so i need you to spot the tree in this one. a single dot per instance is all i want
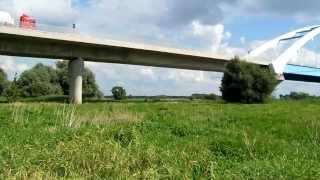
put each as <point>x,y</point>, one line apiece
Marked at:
<point>3,82</point>
<point>13,92</point>
<point>90,87</point>
<point>205,96</point>
<point>297,96</point>
<point>62,72</point>
<point>41,80</point>
<point>119,93</point>
<point>247,83</point>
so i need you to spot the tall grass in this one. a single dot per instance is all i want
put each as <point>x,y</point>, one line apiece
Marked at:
<point>165,140</point>
<point>66,114</point>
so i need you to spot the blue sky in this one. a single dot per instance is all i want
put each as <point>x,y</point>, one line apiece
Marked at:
<point>230,26</point>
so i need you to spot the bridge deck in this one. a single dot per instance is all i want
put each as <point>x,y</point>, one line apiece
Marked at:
<point>35,43</point>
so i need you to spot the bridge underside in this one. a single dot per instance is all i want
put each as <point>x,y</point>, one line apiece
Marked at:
<point>302,73</point>
<point>299,77</point>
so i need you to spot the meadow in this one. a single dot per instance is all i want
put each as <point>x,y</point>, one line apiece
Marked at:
<point>160,140</point>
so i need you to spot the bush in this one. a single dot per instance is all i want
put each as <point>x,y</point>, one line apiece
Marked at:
<point>244,82</point>
<point>119,93</point>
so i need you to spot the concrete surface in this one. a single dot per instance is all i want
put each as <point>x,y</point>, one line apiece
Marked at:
<point>76,68</point>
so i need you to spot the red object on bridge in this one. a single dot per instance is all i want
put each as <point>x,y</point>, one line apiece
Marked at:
<point>27,22</point>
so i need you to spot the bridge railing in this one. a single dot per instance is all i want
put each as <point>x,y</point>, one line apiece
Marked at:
<point>44,27</point>
<point>53,28</point>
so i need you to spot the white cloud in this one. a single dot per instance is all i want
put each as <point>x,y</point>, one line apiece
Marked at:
<point>187,76</point>
<point>214,33</point>
<point>11,67</point>
<point>307,57</point>
<point>148,72</point>
<point>55,12</point>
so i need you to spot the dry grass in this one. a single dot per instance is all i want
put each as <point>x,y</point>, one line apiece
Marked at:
<point>118,114</point>
<point>28,175</point>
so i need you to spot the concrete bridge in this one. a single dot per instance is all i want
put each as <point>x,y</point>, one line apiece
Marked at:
<point>79,48</point>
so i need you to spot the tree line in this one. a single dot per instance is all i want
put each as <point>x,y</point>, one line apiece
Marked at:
<point>298,96</point>
<point>42,80</point>
<point>242,82</point>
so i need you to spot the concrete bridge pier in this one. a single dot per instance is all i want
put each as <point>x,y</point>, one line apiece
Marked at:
<point>75,69</point>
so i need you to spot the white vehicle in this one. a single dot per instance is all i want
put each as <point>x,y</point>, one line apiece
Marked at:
<point>6,19</point>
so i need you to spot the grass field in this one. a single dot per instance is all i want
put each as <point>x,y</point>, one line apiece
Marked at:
<point>163,140</point>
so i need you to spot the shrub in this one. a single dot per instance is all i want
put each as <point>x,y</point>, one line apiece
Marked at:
<point>119,93</point>
<point>245,82</point>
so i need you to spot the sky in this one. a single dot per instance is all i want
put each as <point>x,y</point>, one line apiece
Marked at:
<point>231,27</point>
